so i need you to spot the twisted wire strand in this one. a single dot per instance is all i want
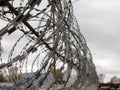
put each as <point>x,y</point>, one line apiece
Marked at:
<point>52,35</point>
<point>0,50</point>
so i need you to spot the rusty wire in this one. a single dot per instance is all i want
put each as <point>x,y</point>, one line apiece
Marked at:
<point>48,37</point>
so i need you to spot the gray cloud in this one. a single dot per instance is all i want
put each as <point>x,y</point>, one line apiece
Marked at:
<point>99,22</point>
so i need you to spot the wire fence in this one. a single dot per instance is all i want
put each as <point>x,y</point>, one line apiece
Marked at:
<point>46,37</point>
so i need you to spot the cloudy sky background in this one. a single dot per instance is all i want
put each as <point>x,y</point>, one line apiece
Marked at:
<point>99,22</point>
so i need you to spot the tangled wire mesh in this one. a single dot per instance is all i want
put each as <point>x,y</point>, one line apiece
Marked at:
<point>45,41</point>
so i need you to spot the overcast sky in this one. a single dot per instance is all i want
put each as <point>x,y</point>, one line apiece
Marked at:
<point>99,22</point>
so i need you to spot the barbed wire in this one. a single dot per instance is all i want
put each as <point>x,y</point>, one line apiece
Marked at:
<point>49,34</point>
